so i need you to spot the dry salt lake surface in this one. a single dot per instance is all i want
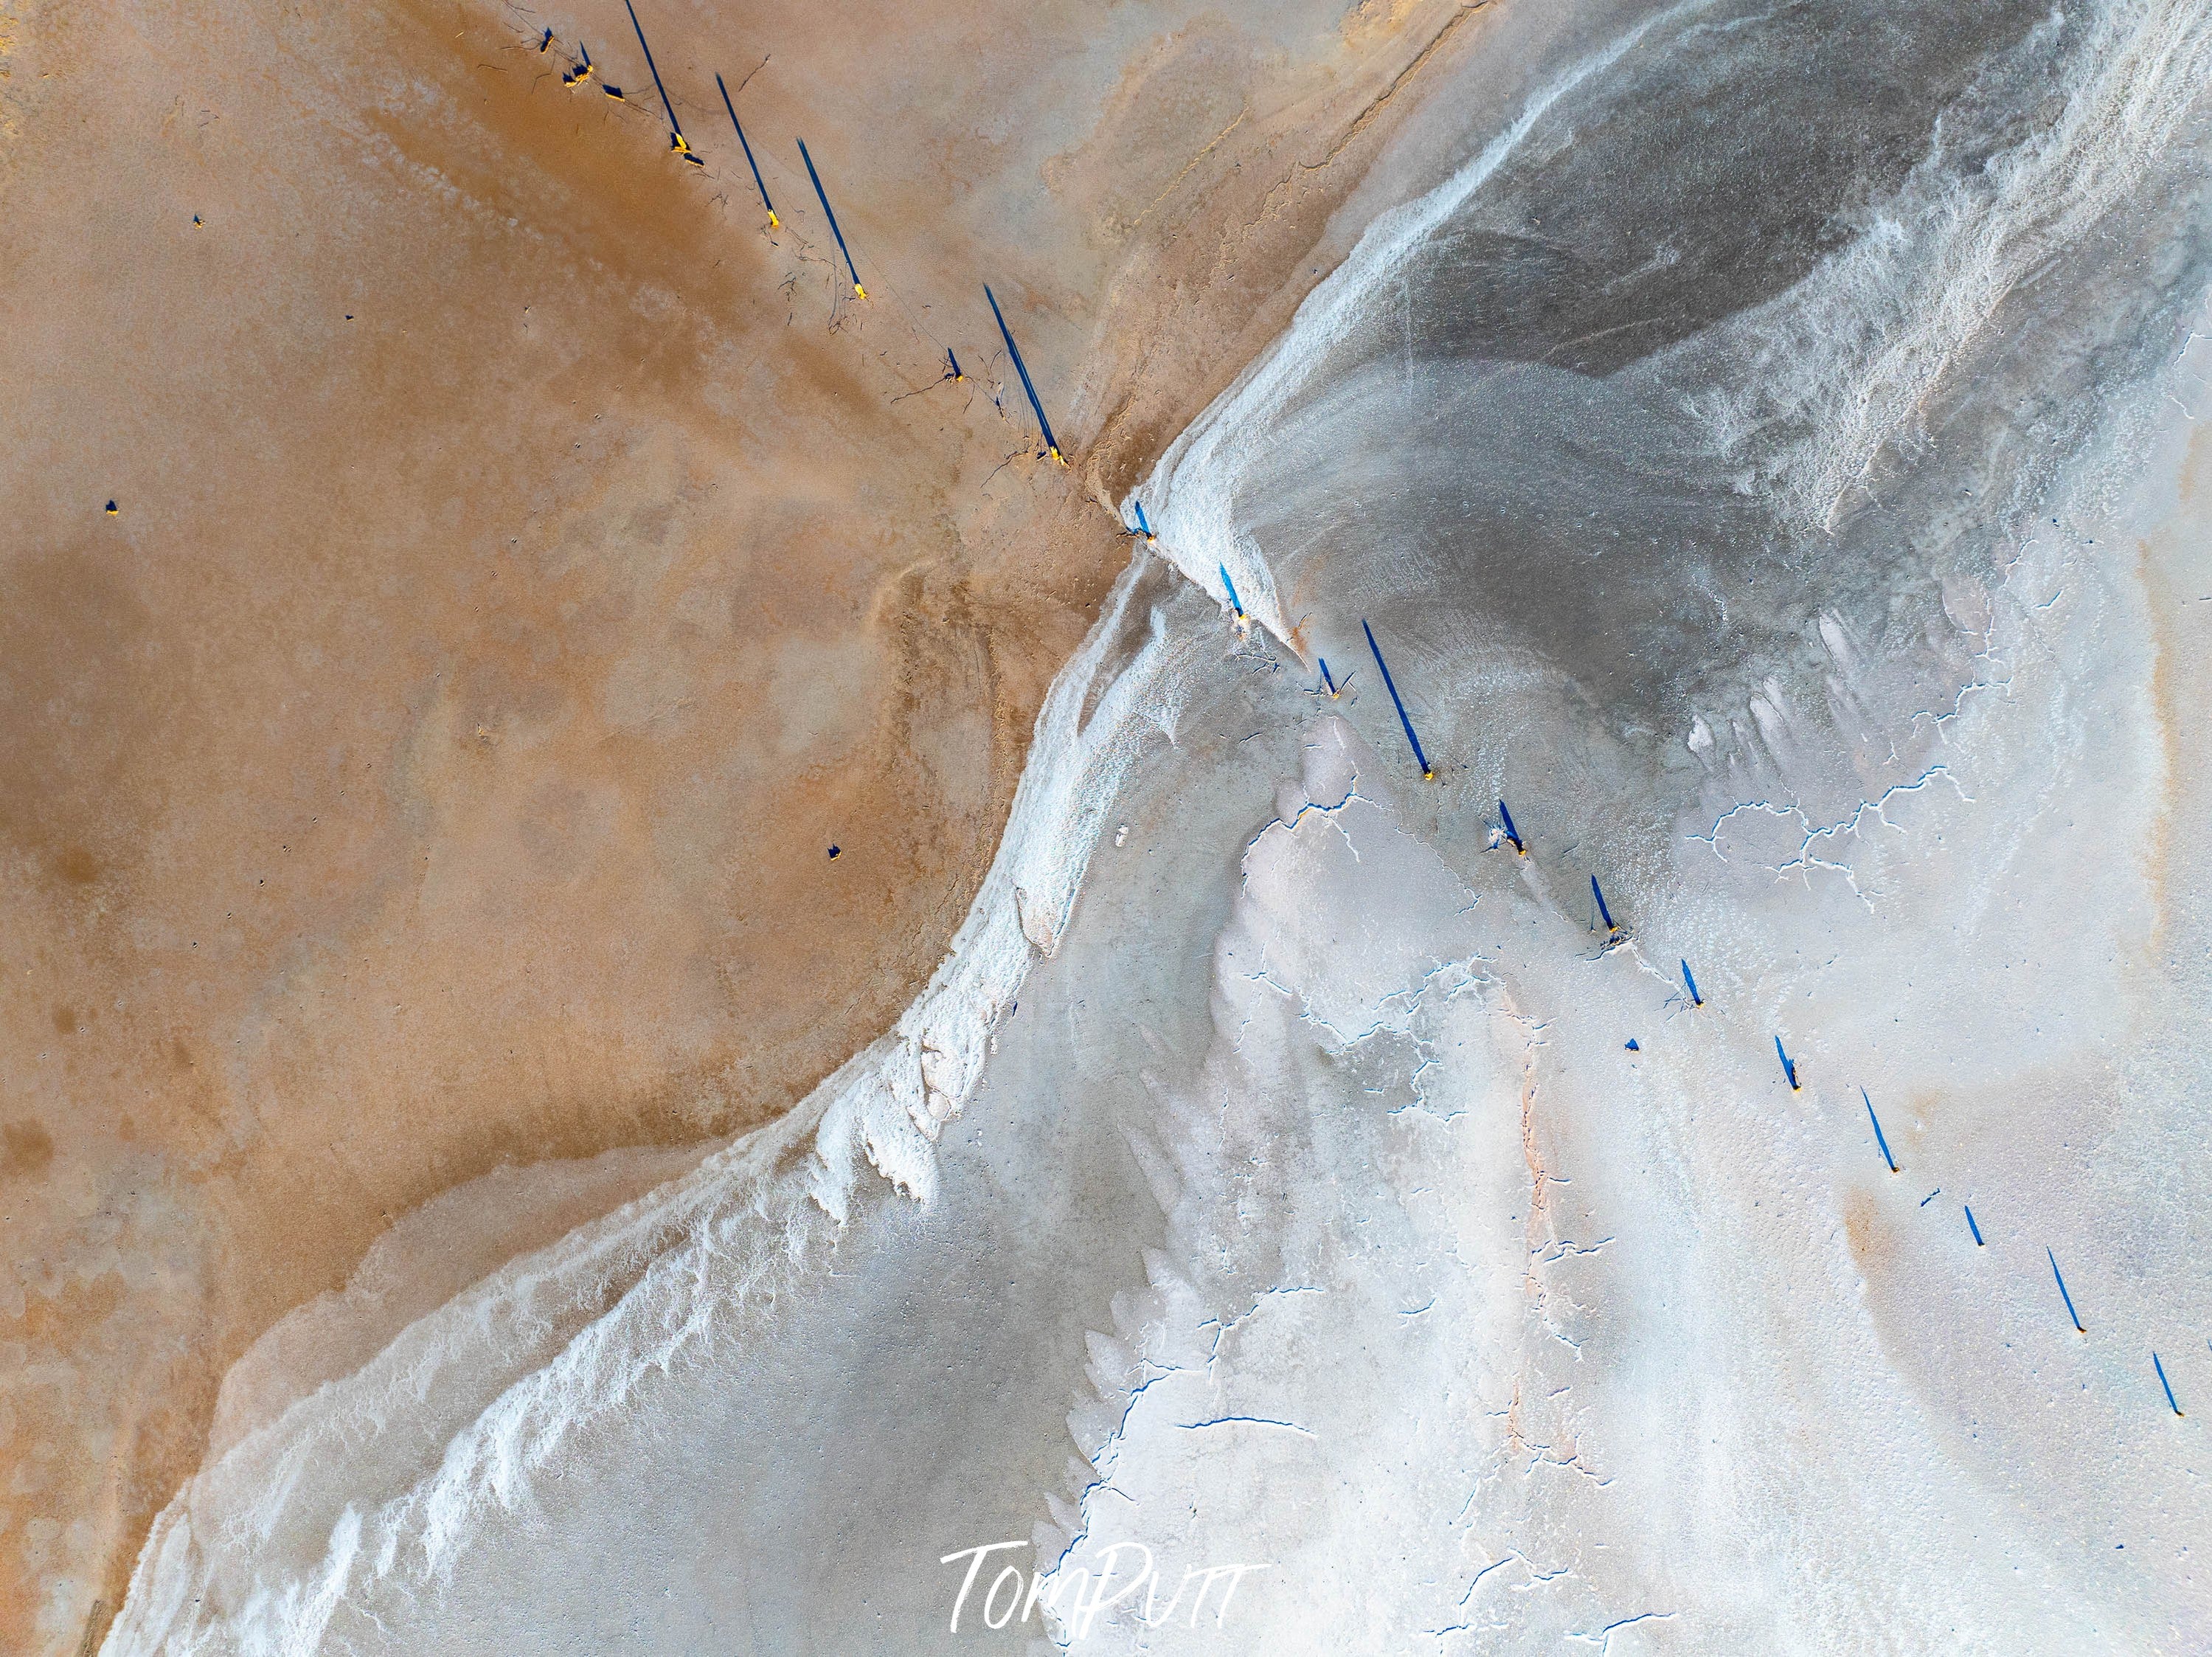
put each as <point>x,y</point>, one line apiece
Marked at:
<point>1748,1201</point>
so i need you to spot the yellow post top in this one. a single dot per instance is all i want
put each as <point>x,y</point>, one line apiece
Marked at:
<point>1428,773</point>
<point>774,222</point>
<point>1057,456</point>
<point>679,143</point>
<point>859,292</point>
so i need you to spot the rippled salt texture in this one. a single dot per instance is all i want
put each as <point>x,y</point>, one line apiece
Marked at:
<point>1760,465</point>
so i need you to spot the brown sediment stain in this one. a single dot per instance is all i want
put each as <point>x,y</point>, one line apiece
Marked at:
<point>526,576</point>
<point>2178,680</point>
<point>2173,597</point>
<point>1564,1453</point>
<point>75,865</point>
<point>1908,1131</point>
<point>1538,1229</point>
<point>26,1150</point>
<point>1873,1245</point>
<point>95,1626</point>
<point>86,688</point>
<point>2158,847</point>
<point>2196,465</point>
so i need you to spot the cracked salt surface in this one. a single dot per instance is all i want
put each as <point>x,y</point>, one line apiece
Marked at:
<point>1795,1414</point>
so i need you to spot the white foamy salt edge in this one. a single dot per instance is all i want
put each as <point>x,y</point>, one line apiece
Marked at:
<point>386,1470</point>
